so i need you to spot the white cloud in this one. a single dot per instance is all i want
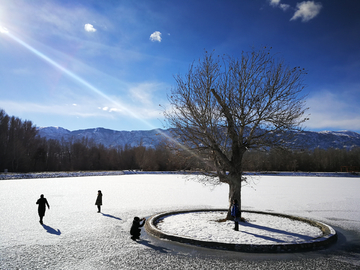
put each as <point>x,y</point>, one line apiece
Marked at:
<point>89,28</point>
<point>144,92</point>
<point>332,111</point>
<point>284,7</point>
<point>156,36</point>
<point>115,110</point>
<point>306,10</point>
<point>19,108</point>
<point>55,18</point>
<point>274,3</point>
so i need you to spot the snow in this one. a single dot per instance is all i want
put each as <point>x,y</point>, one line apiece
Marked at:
<point>259,229</point>
<point>75,236</point>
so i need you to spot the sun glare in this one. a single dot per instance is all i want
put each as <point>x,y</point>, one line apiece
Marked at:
<point>3,30</point>
<point>90,87</point>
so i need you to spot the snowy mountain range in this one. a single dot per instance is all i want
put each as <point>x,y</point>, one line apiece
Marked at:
<point>151,138</point>
<point>107,137</point>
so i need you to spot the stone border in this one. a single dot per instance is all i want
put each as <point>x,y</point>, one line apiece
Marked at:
<point>329,235</point>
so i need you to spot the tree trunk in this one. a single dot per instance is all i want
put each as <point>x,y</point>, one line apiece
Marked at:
<point>234,194</point>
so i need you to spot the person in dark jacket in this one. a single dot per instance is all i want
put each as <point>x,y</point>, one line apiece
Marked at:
<point>135,230</point>
<point>98,201</point>
<point>42,202</point>
<point>235,213</point>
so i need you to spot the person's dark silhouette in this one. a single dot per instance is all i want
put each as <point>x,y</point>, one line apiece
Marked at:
<point>98,201</point>
<point>235,213</point>
<point>135,230</point>
<point>42,202</point>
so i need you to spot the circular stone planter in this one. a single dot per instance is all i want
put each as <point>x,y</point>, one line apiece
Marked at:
<point>328,235</point>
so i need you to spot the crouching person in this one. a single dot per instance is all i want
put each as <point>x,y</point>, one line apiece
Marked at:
<point>135,230</point>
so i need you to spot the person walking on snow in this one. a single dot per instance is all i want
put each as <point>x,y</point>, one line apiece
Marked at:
<point>235,213</point>
<point>98,201</point>
<point>42,202</point>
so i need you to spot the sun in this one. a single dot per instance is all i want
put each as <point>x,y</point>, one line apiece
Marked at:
<point>3,30</point>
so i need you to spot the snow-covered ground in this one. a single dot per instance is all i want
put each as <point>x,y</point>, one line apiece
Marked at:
<point>259,229</point>
<point>75,236</point>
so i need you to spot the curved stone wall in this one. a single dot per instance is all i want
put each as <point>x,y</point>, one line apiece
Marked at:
<point>329,235</point>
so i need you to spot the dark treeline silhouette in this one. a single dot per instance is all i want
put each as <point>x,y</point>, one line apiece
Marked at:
<point>318,160</point>
<point>18,143</point>
<point>23,150</point>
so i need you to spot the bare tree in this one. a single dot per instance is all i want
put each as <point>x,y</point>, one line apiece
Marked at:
<point>225,106</point>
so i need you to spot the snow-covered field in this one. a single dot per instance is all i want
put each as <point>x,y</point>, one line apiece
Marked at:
<point>75,236</point>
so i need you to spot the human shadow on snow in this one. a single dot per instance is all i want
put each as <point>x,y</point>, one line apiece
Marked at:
<point>110,216</point>
<point>51,230</point>
<point>301,236</point>
<point>157,248</point>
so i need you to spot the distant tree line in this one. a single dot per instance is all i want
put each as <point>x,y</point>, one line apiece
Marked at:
<point>318,160</point>
<point>23,150</point>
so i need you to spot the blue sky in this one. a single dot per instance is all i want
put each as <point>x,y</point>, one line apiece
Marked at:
<point>91,63</point>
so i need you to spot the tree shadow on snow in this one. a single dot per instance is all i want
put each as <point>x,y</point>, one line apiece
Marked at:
<point>157,248</point>
<point>265,237</point>
<point>272,230</point>
<point>110,216</point>
<point>51,230</point>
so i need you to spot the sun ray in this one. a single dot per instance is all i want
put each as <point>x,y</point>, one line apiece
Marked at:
<point>92,88</point>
